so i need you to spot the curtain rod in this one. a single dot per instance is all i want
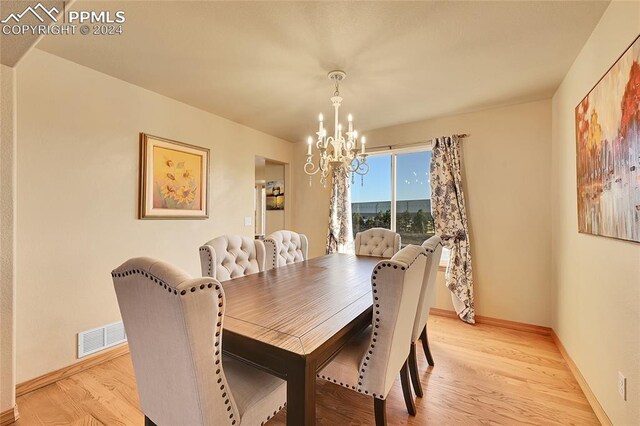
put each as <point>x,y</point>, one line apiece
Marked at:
<point>410,145</point>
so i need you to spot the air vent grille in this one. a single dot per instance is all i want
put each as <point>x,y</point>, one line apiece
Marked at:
<point>115,334</point>
<point>97,339</point>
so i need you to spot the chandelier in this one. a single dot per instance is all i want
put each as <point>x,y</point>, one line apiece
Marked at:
<point>339,151</point>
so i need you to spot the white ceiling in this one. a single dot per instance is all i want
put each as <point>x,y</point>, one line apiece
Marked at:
<point>264,64</point>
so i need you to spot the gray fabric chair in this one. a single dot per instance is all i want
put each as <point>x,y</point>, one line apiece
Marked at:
<point>370,362</point>
<point>174,327</point>
<point>433,247</point>
<point>231,256</point>
<point>285,247</point>
<point>378,242</point>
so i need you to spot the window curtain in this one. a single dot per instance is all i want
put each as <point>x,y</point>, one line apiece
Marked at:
<point>340,233</point>
<point>450,217</point>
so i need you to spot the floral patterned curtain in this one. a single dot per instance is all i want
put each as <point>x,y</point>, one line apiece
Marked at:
<point>340,233</point>
<point>450,217</point>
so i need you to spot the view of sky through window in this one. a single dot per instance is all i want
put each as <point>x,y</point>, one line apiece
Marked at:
<point>377,183</point>
<point>412,178</point>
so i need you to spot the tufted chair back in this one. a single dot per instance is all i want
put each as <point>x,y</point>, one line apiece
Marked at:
<point>396,287</point>
<point>378,242</point>
<point>285,247</point>
<point>433,247</point>
<point>231,256</point>
<point>174,328</point>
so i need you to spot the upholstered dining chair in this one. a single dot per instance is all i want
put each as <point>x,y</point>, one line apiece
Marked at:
<point>370,361</point>
<point>231,256</point>
<point>433,248</point>
<point>378,242</point>
<point>285,247</point>
<point>174,327</point>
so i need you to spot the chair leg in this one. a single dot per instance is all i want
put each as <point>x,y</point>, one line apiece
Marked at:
<point>148,422</point>
<point>406,389</point>
<point>380,410</point>
<point>413,370</point>
<point>425,346</point>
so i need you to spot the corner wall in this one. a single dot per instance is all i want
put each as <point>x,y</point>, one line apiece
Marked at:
<point>77,169</point>
<point>7,237</point>
<point>596,280</point>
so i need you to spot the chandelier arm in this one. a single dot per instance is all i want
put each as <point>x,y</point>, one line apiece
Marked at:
<point>365,169</point>
<point>351,166</point>
<point>309,168</point>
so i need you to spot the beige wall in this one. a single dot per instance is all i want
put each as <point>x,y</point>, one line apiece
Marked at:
<point>596,280</point>
<point>78,179</point>
<point>260,212</point>
<point>7,236</point>
<point>311,205</point>
<point>507,167</point>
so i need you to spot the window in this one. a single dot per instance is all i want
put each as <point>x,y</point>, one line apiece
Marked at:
<point>396,195</point>
<point>371,201</point>
<point>413,221</point>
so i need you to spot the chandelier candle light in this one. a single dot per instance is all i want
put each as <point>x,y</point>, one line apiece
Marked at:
<point>336,152</point>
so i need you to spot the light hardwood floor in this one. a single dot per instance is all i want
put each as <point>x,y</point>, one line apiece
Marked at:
<point>483,375</point>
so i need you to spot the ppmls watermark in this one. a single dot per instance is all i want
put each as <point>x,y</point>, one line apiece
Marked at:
<point>85,22</point>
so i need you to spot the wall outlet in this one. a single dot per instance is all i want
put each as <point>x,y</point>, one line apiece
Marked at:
<point>622,386</point>
<point>247,221</point>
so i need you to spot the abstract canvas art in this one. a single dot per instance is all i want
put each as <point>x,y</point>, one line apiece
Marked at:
<point>173,179</point>
<point>608,152</point>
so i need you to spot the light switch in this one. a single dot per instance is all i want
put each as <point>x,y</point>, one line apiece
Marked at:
<point>247,221</point>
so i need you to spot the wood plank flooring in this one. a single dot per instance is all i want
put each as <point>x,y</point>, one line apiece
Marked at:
<point>483,375</point>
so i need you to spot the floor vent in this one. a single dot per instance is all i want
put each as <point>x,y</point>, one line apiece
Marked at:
<point>97,339</point>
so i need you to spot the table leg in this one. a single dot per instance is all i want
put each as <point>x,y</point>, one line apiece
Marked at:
<point>301,393</point>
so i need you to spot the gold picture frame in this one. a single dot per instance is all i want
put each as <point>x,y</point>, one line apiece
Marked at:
<point>174,179</point>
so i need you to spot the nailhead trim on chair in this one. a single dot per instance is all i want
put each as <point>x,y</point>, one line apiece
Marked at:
<point>376,324</point>
<point>160,282</point>
<point>287,251</point>
<point>434,249</point>
<point>273,415</point>
<point>210,257</point>
<point>274,262</point>
<point>345,385</point>
<point>218,358</point>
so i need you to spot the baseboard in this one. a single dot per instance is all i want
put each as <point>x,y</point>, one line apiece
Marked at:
<point>513,325</point>
<point>9,416</point>
<point>588,393</point>
<point>546,331</point>
<point>63,373</point>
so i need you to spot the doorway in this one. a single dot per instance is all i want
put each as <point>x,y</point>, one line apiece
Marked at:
<point>270,196</point>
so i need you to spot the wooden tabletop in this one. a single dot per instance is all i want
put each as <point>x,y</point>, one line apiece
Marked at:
<point>292,320</point>
<point>299,306</point>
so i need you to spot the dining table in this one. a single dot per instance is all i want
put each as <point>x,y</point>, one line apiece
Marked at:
<point>292,320</point>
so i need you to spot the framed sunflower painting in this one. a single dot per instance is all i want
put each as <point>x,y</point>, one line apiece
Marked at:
<point>174,179</point>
